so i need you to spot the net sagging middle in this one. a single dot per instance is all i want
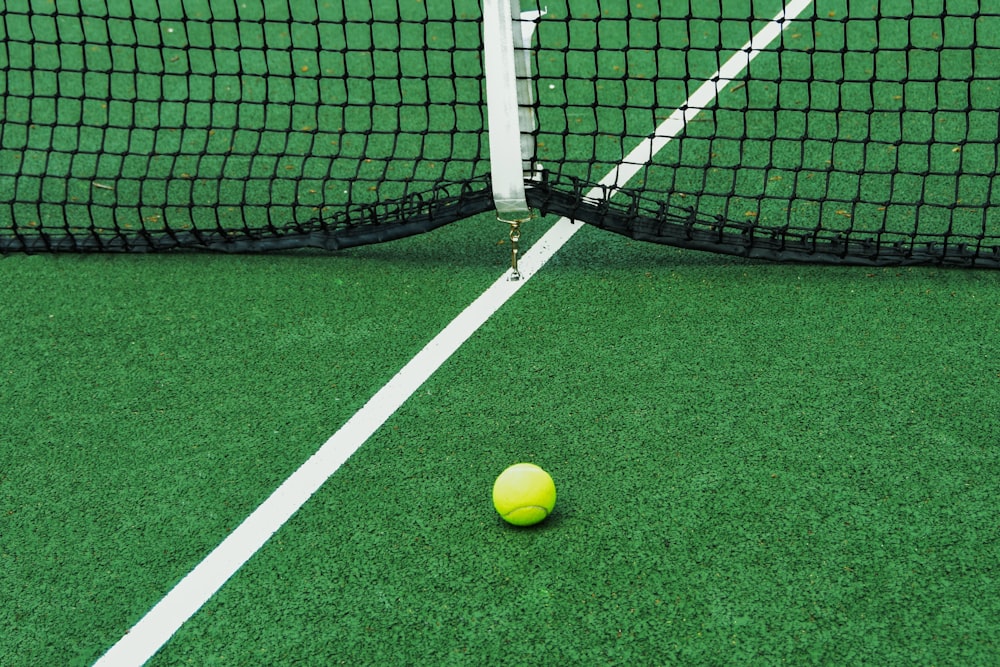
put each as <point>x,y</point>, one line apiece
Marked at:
<point>866,134</point>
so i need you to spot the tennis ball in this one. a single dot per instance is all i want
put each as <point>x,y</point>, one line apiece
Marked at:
<point>524,494</point>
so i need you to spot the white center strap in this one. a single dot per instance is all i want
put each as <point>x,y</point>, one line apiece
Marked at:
<point>506,161</point>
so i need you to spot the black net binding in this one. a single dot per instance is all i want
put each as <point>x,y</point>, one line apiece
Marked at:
<point>866,133</point>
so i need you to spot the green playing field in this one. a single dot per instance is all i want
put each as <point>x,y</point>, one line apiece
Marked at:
<point>756,463</point>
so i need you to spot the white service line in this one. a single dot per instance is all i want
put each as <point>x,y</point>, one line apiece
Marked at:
<point>154,629</point>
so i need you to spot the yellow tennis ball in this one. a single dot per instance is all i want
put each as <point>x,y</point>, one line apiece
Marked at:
<point>524,494</point>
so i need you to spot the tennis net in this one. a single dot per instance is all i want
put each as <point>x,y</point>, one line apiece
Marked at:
<point>865,134</point>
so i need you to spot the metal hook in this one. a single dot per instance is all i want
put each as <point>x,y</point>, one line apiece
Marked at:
<point>515,236</point>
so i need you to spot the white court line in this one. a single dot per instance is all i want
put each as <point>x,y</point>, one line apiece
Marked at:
<point>161,622</point>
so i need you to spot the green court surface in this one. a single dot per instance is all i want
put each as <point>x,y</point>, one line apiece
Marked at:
<point>756,463</point>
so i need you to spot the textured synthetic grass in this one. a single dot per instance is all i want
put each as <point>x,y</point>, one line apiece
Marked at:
<point>756,464</point>
<point>150,403</point>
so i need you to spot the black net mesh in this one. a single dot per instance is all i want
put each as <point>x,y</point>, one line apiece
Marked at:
<point>237,126</point>
<point>865,133</point>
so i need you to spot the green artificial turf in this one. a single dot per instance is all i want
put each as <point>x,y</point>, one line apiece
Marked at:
<point>150,403</point>
<point>756,464</point>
